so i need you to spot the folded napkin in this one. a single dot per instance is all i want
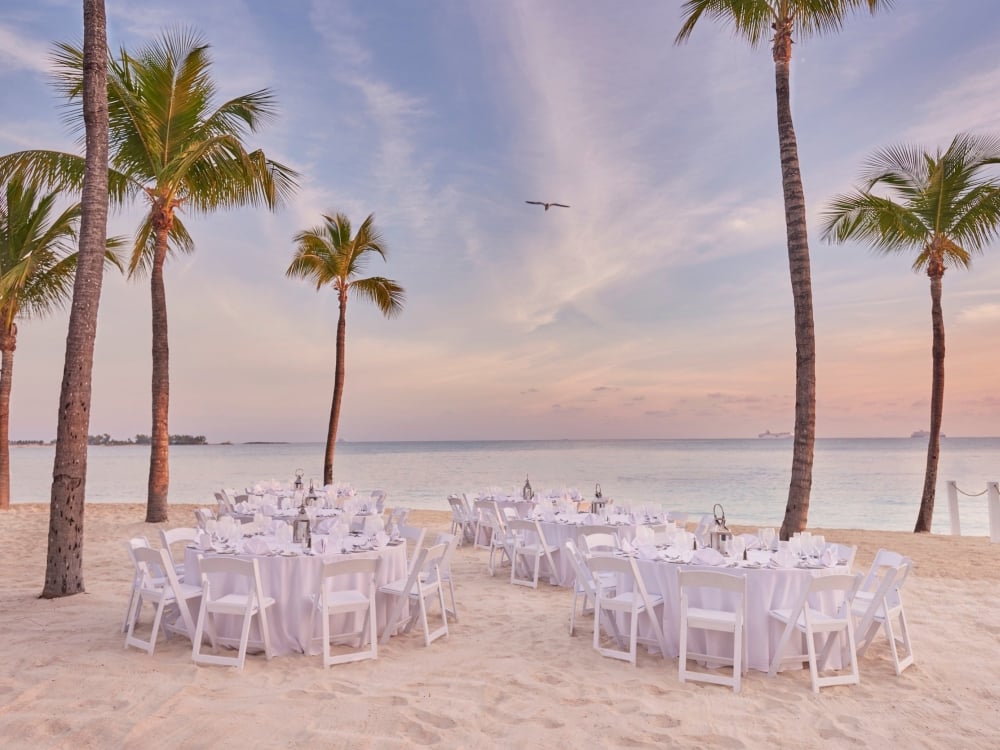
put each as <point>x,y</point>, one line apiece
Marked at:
<point>256,546</point>
<point>648,551</point>
<point>784,558</point>
<point>627,546</point>
<point>205,540</point>
<point>707,556</point>
<point>829,557</point>
<point>381,539</point>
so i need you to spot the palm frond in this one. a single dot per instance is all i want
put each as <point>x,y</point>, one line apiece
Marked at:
<point>144,246</point>
<point>385,294</point>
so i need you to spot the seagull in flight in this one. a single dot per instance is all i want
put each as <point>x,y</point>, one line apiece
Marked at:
<point>547,205</point>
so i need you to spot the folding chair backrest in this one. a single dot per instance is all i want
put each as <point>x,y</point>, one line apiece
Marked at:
<point>883,558</point>
<point>151,562</point>
<point>844,582</point>
<point>712,579</point>
<point>597,543</point>
<point>618,565</point>
<point>351,566</point>
<point>451,543</point>
<point>248,569</point>
<point>584,577</point>
<point>457,509</point>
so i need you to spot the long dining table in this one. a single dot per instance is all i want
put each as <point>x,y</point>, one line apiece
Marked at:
<point>292,579</point>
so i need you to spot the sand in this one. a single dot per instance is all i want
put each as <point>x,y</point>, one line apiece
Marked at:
<point>509,675</point>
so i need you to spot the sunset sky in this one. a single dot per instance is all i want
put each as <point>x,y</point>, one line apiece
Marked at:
<point>658,305</point>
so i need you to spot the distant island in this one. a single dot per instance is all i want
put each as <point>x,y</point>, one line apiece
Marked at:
<point>106,439</point>
<point>769,434</point>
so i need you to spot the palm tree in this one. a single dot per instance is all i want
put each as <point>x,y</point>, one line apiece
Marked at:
<point>37,266</point>
<point>171,145</point>
<point>329,256</point>
<point>755,20</point>
<point>943,208</point>
<point>64,557</point>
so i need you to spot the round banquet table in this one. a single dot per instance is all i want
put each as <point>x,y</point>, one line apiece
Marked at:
<point>293,582</point>
<point>767,588</point>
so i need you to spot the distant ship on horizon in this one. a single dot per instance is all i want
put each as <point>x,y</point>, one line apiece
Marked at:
<point>769,434</point>
<point>923,434</point>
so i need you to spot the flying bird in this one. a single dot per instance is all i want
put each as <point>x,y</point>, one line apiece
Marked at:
<point>547,205</point>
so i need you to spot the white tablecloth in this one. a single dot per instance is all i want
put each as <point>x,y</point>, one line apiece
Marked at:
<point>557,533</point>
<point>767,589</point>
<point>292,582</point>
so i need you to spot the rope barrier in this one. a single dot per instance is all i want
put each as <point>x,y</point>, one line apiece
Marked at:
<point>972,494</point>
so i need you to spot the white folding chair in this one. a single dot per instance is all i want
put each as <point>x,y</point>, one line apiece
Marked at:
<point>344,598</point>
<point>166,593</point>
<point>846,553</point>
<point>530,544</point>
<point>501,539</point>
<point>883,609</point>
<point>444,569</point>
<point>461,523</point>
<point>593,541</point>
<point>414,537</point>
<point>169,537</point>
<point>586,584</point>
<point>137,575</point>
<point>729,620</point>
<point>809,621</point>
<point>483,510</point>
<point>421,583</point>
<point>397,516</point>
<point>253,603</point>
<point>631,604</point>
<point>202,516</point>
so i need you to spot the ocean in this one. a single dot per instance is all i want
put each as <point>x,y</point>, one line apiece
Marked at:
<point>872,483</point>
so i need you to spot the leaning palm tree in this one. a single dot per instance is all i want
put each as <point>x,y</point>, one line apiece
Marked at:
<point>173,146</point>
<point>329,256</point>
<point>777,21</point>
<point>37,267</point>
<point>943,208</point>
<point>64,556</point>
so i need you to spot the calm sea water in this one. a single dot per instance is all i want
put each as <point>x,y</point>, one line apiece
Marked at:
<point>857,483</point>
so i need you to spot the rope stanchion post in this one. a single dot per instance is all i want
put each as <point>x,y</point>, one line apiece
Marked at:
<point>993,508</point>
<point>956,526</point>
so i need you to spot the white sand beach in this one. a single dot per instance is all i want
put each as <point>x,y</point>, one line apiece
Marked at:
<point>508,675</point>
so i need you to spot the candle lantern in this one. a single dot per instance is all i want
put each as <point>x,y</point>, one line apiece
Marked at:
<point>597,504</point>
<point>720,535</point>
<point>526,492</point>
<point>298,478</point>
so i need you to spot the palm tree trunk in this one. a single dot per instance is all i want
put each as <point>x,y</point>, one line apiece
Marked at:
<point>937,405</point>
<point>797,508</point>
<point>338,391</point>
<point>64,562</point>
<point>8,342</point>
<point>159,450</point>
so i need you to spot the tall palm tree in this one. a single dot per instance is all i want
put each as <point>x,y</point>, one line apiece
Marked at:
<point>329,256</point>
<point>173,146</point>
<point>64,557</point>
<point>37,267</point>
<point>778,21</point>
<point>942,208</point>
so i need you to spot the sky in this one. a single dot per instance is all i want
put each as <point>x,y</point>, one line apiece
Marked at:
<point>657,306</point>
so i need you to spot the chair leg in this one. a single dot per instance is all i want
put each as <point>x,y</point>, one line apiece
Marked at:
<point>811,651</point>
<point>682,656</point>
<point>737,656</point>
